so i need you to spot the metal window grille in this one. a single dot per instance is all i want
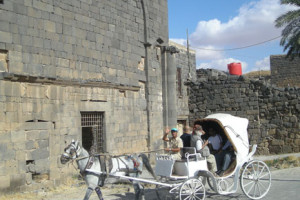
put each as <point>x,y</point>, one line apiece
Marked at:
<point>94,121</point>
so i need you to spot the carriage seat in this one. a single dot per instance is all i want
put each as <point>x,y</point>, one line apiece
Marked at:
<point>184,150</point>
<point>189,166</point>
<point>190,150</point>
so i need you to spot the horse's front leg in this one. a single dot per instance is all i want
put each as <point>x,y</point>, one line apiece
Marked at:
<point>99,193</point>
<point>88,193</point>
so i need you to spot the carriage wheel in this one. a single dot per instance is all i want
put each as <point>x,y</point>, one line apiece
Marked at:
<point>255,179</point>
<point>210,183</point>
<point>203,179</point>
<point>192,189</point>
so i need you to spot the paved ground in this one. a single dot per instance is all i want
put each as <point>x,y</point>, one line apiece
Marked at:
<point>285,185</point>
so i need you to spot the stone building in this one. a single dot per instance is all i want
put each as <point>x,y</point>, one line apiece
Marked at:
<point>185,71</point>
<point>285,72</point>
<point>76,68</point>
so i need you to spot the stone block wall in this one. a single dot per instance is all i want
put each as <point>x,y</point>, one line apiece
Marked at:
<point>285,72</point>
<point>38,121</point>
<point>273,112</point>
<point>61,58</point>
<point>79,39</point>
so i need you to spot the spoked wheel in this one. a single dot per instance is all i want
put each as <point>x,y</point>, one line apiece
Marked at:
<point>192,189</point>
<point>255,179</point>
<point>203,179</point>
<point>210,183</point>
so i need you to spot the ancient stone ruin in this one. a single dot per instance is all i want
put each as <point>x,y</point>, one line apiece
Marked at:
<point>273,112</point>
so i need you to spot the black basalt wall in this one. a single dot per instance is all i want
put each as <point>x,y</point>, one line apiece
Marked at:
<point>273,112</point>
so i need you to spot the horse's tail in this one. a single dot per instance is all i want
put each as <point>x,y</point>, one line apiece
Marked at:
<point>147,164</point>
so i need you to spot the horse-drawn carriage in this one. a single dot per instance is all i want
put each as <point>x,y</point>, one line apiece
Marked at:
<point>186,178</point>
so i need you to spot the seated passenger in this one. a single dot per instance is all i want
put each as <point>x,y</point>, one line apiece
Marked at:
<point>186,137</point>
<point>197,142</point>
<point>224,158</point>
<point>214,141</point>
<point>174,143</point>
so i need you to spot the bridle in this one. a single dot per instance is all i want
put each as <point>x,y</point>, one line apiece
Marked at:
<point>72,151</point>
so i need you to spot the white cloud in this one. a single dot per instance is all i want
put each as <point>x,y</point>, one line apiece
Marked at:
<point>205,54</point>
<point>253,24</point>
<point>201,54</point>
<point>179,41</point>
<point>262,64</point>
<point>221,64</point>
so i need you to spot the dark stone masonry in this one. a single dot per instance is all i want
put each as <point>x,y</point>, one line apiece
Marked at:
<point>273,112</point>
<point>285,72</point>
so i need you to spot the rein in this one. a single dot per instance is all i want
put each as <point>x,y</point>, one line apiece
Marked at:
<point>75,156</point>
<point>125,154</point>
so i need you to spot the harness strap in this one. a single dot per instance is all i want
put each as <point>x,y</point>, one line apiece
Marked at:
<point>89,163</point>
<point>107,168</point>
<point>127,168</point>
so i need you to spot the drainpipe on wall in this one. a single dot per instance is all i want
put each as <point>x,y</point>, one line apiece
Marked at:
<point>146,64</point>
<point>164,86</point>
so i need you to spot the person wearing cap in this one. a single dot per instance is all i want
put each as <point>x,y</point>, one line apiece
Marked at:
<point>174,143</point>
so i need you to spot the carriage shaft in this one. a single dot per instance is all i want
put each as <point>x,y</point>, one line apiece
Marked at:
<point>134,178</point>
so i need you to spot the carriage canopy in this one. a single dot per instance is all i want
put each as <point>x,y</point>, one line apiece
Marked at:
<point>234,128</point>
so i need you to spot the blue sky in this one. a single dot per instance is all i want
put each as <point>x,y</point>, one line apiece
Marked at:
<point>226,24</point>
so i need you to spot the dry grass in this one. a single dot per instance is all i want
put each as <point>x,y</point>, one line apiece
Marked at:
<point>283,163</point>
<point>69,182</point>
<point>258,73</point>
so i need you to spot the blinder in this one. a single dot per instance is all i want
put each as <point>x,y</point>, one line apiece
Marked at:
<point>71,152</point>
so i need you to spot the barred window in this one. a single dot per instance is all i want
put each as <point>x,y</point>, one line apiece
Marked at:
<point>92,124</point>
<point>178,80</point>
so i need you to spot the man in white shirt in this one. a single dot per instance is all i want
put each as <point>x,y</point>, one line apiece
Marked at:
<point>214,141</point>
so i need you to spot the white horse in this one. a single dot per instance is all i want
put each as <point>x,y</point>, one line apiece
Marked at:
<point>130,165</point>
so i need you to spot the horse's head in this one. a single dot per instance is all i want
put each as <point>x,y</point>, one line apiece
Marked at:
<point>71,152</point>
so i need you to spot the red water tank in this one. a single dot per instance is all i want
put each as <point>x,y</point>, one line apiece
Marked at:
<point>235,68</point>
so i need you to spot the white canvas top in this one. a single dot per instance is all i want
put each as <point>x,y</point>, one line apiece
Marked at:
<point>236,130</point>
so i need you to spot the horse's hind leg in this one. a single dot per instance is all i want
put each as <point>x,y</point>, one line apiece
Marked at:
<point>138,190</point>
<point>88,193</point>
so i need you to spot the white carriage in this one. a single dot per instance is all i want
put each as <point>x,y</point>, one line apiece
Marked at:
<point>191,173</point>
<point>186,178</point>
